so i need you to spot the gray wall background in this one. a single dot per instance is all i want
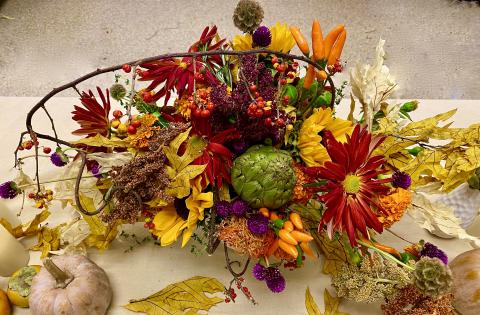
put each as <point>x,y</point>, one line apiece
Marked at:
<point>432,45</point>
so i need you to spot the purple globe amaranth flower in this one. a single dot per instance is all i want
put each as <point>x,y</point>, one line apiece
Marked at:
<point>401,179</point>
<point>257,224</point>
<point>223,208</point>
<point>258,272</point>
<point>432,251</point>
<point>59,159</point>
<point>239,208</point>
<point>276,285</point>
<point>239,146</point>
<point>262,36</point>
<point>9,190</point>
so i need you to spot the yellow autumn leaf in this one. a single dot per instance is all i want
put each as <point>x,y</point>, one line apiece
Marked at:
<point>48,240</point>
<point>156,202</point>
<point>333,252</point>
<point>312,308</point>
<point>179,170</point>
<point>100,141</point>
<point>425,126</point>
<point>186,297</point>
<point>28,229</point>
<point>331,304</point>
<point>101,234</point>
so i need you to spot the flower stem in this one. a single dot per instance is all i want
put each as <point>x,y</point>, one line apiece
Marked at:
<point>55,181</point>
<point>386,255</point>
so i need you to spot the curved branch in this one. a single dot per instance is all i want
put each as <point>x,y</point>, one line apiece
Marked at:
<point>166,56</point>
<point>230,263</point>
<point>73,84</point>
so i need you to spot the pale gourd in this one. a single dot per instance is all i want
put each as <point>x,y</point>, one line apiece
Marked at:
<point>70,284</point>
<point>466,282</point>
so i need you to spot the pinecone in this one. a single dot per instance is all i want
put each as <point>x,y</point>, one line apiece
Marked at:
<point>432,277</point>
<point>248,15</point>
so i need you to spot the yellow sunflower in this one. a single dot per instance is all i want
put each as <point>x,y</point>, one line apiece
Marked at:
<point>169,224</point>
<point>282,39</point>
<point>312,152</point>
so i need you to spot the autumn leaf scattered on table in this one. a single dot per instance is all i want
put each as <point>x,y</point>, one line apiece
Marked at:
<point>48,240</point>
<point>29,229</point>
<point>101,235</point>
<point>186,297</point>
<point>433,216</point>
<point>179,170</point>
<point>331,304</point>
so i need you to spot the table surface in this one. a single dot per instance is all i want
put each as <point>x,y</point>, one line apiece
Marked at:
<point>148,268</point>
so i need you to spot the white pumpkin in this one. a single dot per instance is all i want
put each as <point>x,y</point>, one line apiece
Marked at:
<point>70,285</point>
<point>466,282</point>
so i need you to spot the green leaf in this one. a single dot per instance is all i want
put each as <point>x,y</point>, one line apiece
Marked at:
<point>180,298</point>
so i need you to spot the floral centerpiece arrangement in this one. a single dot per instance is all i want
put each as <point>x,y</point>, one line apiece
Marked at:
<point>239,143</point>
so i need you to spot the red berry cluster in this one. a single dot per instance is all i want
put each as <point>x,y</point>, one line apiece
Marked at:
<point>336,67</point>
<point>285,69</point>
<point>201,106</point>
<point>148,219</point>
<point>27,145</point>
<point>292,265</point>
<point>231,295</point>
<point>41,198</point>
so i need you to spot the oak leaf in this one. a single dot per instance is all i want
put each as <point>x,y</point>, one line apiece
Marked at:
<point>179,169</point>
<point>331,304</point>
<point>29,229</point>
<point>186,297</point>
<point>48,240</point>
<point>334,253</point>
<point>100,141</point>
<point>101,234</point>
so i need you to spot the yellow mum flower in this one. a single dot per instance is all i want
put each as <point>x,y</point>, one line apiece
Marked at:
<point>169,224</point>
<point>312,152</point>
<point>282,39</point>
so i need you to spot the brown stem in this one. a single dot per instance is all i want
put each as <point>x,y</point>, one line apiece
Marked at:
<point>213,240</point>
<point>52,123</point>
<point>63,279</point>
<point>229,264</point>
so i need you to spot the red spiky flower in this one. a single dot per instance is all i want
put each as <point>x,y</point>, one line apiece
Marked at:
<point>177,74</point>
<point>218,158</point>
<point>93,118</point>
<point>352,184</point>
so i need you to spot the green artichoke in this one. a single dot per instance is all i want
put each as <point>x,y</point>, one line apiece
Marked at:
<point>263,176</point>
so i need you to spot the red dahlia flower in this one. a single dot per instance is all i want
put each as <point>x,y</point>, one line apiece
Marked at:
<point>352,184</point>
<point>176,74</point>
<point>93,118</point>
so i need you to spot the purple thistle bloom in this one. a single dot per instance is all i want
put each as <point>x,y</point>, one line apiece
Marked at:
<point>9,190</point>
<point>276,285</point>
<point>258,272</point>
<point>262,36</point>
<point>223,208</point>
<point>257,224</point>
<point>59,159</point>
<point>401,179</point>
<point>239,208</point>
<point>432,251</point>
